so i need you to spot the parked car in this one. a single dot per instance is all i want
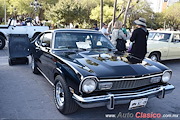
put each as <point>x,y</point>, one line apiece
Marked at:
<point>163,45</point>
<point>87,71</point>
<point>12,28</point>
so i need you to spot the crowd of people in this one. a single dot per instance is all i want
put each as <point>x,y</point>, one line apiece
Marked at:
<point>118,37</point>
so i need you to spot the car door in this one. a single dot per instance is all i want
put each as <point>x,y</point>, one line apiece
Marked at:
<point>174,46</point>
<point>159,42</point>
<point>46,56</point>
<point>38,51</point>
<point>15,29</point>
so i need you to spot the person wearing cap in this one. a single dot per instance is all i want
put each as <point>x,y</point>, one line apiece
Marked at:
<point>139,39</point>
<point>104,30</point>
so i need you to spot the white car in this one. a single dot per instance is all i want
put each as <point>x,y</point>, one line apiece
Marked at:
<point>163,45</point>
<point>12,28</point>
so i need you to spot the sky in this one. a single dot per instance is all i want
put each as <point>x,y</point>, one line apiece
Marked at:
<point>156,4</point>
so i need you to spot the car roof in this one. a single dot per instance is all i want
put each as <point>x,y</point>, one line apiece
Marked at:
<point>165,31</point>
<point>74,30</point>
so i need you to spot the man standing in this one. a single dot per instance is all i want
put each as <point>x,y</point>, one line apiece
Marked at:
<point>95,27</point>
<point>104,30</point>
<point>139,39</point>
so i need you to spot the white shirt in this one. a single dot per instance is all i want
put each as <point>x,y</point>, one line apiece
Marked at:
<point>103,30</point>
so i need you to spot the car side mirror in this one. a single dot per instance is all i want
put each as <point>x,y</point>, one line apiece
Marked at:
<point>45,45</point>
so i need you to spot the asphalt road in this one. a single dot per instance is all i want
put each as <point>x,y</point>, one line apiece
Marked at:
<point>24,95</point>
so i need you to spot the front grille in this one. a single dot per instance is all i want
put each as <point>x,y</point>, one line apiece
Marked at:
<point>130,84</point>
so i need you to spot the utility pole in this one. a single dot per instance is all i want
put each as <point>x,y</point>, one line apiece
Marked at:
<point>114,13</point>
<point>125,14</point>
<point>5,12</point>
<point>101,14</point>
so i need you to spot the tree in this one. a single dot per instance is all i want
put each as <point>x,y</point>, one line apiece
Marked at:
<point>2,11</point>
<point>172,16</point>
<point>142,9</point>
<point>66,11</point>
<point>107,16</point>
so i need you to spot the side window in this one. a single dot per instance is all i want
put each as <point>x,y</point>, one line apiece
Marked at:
<point>164,37</point>
<point>176,38</point>
<point>46,40</point>
<point>39,40</point>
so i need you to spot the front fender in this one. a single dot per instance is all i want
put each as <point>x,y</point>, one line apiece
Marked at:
<point>68,75</point>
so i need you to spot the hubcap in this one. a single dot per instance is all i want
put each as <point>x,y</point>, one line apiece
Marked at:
<point>59,94</point>
<point>154,58</point>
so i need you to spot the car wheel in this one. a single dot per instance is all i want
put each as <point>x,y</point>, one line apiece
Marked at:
<point>2,42</point>
<point>154,56</point>
<point>27,61</point>
<point>63,97</point>
<point>10,61</point>
<point>34,66</point>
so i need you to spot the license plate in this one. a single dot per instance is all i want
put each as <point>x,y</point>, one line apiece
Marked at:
<point>138,103</point>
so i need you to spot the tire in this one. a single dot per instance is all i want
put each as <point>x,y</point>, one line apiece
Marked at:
<point>63,97</point>
<point>10,61</point>
<point>34,66</point>
<point>154,56</point>
<point>27,61</point>
<point>2,42</point>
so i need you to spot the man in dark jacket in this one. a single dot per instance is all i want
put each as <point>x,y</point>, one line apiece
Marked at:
<point>139,39</point>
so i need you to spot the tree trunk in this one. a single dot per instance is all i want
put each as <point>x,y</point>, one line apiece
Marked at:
<point>110,25</point>
<point>125,14</point>
<point>101,14</point>
<point>114,13</point>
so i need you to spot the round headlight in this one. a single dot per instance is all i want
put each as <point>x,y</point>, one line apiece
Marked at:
<point>88,85</point>
<point>166,76</point>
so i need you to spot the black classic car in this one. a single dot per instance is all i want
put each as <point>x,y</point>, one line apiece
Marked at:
<point>87,71</point>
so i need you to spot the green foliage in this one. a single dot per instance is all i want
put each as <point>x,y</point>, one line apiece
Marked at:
<point>107,13</point>
<point>172,15</point>
<point>1,9</point>
<point>84,12</point>
<point>67,11</point>
<point>142,9</point>
<point>19,7</point>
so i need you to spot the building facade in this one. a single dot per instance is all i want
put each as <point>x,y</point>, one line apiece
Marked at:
<point>161,5</point>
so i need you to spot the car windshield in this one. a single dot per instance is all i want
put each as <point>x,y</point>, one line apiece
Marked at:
<point>159,36</point>
<point>76,40</point>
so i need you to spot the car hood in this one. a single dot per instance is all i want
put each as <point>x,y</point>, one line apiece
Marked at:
<point>109,65</point>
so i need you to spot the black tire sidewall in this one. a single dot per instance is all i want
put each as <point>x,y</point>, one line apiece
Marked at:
<point>69,105</point>
<point>10,62</point>
<point>2,39</point>
<point>60,79</point>
<point>157,56</point>
<point>34,70</point>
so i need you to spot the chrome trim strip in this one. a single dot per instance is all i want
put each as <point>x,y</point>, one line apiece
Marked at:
<point>123,96</point>
<point>79,31</point>
<point>46,77</point>
<point>103,80</point>
<point>59,70</point>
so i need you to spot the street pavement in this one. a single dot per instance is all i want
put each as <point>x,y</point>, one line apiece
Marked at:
<point>24,95</point>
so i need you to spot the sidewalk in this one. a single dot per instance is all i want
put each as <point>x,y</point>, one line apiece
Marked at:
<point>4,56</point>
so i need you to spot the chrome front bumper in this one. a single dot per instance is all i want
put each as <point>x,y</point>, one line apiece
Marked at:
<point>110,100</point>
